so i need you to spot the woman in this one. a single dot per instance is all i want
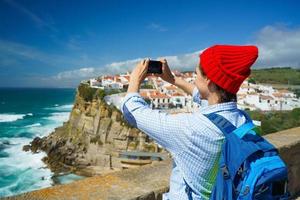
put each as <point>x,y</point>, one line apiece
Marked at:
<point>193,140</point>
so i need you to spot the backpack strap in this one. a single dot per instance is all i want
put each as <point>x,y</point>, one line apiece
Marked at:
<point>231,133</point>
<point>223,175</point>
<point>222,123</point>
<point>227,127</point>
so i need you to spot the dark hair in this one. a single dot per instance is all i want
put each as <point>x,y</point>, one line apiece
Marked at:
<point>224,95</point>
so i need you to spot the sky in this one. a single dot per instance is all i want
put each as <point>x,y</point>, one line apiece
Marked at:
<point>58,43</point>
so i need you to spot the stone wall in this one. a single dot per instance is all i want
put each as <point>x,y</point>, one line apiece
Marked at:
<point>144,183</point>
<point>288,144</point>
<point>150,182</point>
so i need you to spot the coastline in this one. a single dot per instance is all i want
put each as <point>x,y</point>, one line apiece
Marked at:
<point>90,141</point>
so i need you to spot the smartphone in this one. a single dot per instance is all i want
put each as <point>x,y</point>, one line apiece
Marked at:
<point>155,67</point>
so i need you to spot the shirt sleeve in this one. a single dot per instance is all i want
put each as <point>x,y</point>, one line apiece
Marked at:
<point>166,129</point>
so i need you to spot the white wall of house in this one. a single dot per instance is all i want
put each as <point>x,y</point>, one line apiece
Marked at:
<point>178,101</point>
<point>160,103</point>
<point>94,83</point>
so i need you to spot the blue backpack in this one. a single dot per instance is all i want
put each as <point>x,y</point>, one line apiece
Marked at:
<point>249,167</point>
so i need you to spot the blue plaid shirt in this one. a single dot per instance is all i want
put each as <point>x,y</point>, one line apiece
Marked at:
<point>193,141</point>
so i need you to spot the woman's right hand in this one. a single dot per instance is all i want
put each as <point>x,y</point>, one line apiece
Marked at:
<point>166,72</point>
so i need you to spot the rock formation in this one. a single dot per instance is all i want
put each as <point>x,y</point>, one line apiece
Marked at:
<point>89,142</point>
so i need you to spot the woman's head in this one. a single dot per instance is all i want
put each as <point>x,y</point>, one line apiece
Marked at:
<point>207,87</point>
<point>223,68</point>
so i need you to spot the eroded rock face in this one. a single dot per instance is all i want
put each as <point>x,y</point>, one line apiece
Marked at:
<point>93,136</point>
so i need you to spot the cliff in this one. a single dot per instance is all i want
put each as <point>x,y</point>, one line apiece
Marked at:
<point>90,141</point>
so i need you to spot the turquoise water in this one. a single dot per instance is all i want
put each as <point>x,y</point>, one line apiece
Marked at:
<point>25,114</point>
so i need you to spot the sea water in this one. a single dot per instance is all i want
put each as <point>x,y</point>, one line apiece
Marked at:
<point>24,115</point>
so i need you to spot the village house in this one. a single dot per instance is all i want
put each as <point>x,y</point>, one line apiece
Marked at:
<point>157,99</point>
<point>96,83</point>
<point>178,100</point>
<point>164,95</point>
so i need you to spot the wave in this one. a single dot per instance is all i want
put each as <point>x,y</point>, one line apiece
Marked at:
<point>59,116</point>
<point>57,107</point>
<point>47,125</point>
<point>20,170</point>
<point>33,125</point>
<point>12,117</point>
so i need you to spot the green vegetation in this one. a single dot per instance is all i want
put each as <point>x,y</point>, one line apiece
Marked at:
<point>284,75</point>
<point>88,93</point>
<point>146,86</point>
<point>114,91</point>
<point>297,92</point>
<point>96,140</point>
<point>276,120</point>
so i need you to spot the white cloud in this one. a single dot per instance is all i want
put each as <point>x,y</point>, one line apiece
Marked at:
<point>20,50</point>
<point>157,27</point>
<point>279,46</point>
<point>12,53</point>
<point>184,62</point>
<point>35,18</point>
<point>79,73</point>
<point>181,62</point>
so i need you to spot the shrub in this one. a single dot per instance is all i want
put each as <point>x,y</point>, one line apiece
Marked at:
<point>88,93</point>
<point>276,120</point>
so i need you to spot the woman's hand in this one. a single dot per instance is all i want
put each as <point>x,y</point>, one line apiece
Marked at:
<point>138,75</point>
<point>166,72</point>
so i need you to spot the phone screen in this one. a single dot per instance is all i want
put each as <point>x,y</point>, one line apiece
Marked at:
<point>155,67</point>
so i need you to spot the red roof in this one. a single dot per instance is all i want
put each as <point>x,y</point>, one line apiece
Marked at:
<point>277,94</point>
<point>264,97</point>
<point>283,91</point>
<point>171,87</point>
<point>177,94</point>
<point>158,95</point>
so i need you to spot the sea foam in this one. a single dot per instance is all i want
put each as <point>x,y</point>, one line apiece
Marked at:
<point>25,167</point>
<point>7,117</point>
<point>11,117</point>
<point>57,107</point>
<point>33,125</point>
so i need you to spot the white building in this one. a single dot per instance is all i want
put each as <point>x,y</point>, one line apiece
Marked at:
<point>178,100</point>
<point>94,83</point>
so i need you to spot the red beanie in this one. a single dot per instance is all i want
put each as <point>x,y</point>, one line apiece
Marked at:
<point>227,65</point>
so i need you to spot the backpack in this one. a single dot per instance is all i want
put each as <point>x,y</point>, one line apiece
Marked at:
<point>249,166</point>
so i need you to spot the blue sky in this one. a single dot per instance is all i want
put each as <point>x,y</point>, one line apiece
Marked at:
<point>58,43</point>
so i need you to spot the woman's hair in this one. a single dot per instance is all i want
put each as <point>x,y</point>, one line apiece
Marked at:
<point>223,94</point>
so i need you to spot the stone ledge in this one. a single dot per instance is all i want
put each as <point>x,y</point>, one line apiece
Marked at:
<point>285,138</point>
<point>150,182</point>
<point>288,144</point>
<point>145,183</point>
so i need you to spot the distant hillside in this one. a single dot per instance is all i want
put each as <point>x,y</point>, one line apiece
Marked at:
<point>285,75</point>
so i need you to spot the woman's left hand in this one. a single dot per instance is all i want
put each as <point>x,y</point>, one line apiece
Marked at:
<point>138,75</point>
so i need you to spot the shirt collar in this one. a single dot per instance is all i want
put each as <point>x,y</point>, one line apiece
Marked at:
<point>218,107</point>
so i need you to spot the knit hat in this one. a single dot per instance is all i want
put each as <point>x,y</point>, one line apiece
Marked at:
<point>228,65</point>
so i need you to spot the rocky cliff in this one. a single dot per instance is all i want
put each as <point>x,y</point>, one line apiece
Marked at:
<point>89,142</point>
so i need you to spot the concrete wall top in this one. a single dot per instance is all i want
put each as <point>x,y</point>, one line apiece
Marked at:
<point>151,181</point>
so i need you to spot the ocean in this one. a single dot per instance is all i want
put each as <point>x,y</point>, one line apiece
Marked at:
<point>25,114</point>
